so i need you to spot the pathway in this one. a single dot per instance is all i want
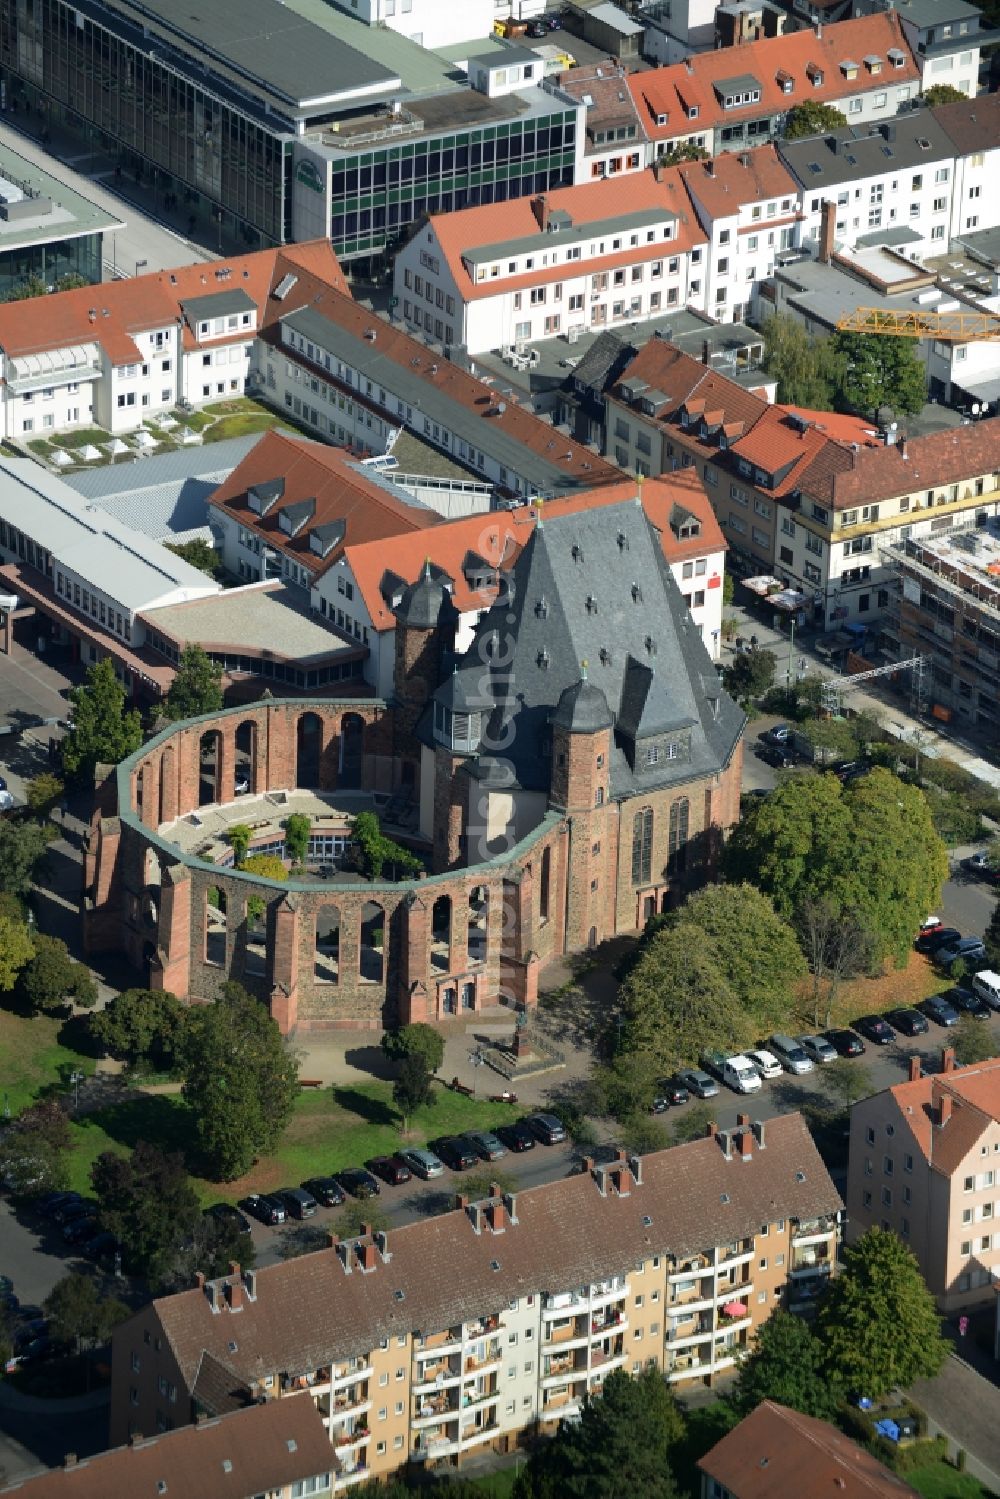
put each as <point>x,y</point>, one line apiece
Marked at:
<point>965,1406</point>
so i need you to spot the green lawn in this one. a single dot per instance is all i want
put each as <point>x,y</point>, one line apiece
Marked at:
<point>241,425</point>
<point>939,1481</point>
<point>81,437</point>
<point>330,1128</point>
<point>32,1057</point>
<point>495,1485</point>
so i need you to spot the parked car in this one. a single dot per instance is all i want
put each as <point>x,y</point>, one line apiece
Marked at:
<point>819,1048</point>
<point>422,1163</point>
<point>264,1207</point>
<point>48,1204</point>
<point>929,925</point>
<point>326,1190</point>
<point>876,1029</point>
<point>791,1054</point>
<point>908,1022</point>
<point>547,1128</point>
<point>970,949</point>
<point>224,1212</point>
<point>63,1210</point>
<point>940,1009</point>
<point>673,1089</point>
<point>100,1247</point>
<point>457,1154</point>
<point>84,1207</point>
<point>486,1144</point>
<point>80,1229</point>
<point>358,1182</point>
<point>766,1063</point>
<point>781,756</point>
<point>927,942</point>
<point>779,733</point>
<point>968,1003</point>
<point>518,1136</point>
<point>979,866</point>
<point>846,1043</point>
<point>698,1082</point>
<point>298,1202</point>
<point>537,28</point>
<point>391,1168</point>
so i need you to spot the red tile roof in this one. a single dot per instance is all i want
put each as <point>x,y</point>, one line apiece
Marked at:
<point>336,482</point>
<point>726,182</point>
<point>123,308</point>
<point>842,479</point>
<point>683,380</point>
<point>667,91</point>
<point>252,1451</point>
<point>777,1453</point>
<point>838,425</point>
<point>588,203</point>
<point>975,1104</point>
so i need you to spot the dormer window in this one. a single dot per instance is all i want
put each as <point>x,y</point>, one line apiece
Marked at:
<point>605,656</point>
<point>460,732</point>
<point>591,604</point>
<point>542,660</point>
<point>622,542</point>
<point>636,594</point>
<point>542,609</point>
<point>577,552</point>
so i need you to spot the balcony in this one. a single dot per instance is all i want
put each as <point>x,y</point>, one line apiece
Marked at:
<point>685,1335</point>
<point>607,1291</point>
<point>563,1303</point>
<point>348,1476</point>
<point>735,1254</point>
<point>349,1439</point>
<point>808,1230</point>
<point>687,1366</point>
<point>605,1362</point>
<point>692,1268</point>
<point>563,1370</point>
<point>449,1341</point>
<point>435,1410</point>
<point>559,1407</point>
<point>809,1263</point>
<point>733,1290</point>
<point>575,1334</point>
<point>609,1320</point>
<point>492,1354</point>
<point>317,1382</point>
<point>338,1408</point>
<point>481,1327</point>
<point>473,1438</point>
<point>350,1373</point>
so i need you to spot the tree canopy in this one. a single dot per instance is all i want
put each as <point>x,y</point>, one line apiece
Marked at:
<point>147,1201</point>
<point>79,1314</point>
<point>878,1322</point>
<point>812,118</point>
<point>141,1025</point>
<point>414,1086</point>
<point>880,371</point>
<point>43,791</point>
<point>241,1081</point>
<point>622,1444</point>
<point>804,364</point>
<point>682,151</point>
<point>786,1365</point>
<point>268,866</point>
<point>944,93</point>
<point>52,978</point>
<point>22,846</point>
<point>869,849</point>
<point>103,732</point>
<point>375,850</point>
<point>16,950</point>
<point>199,553</point>
<point>676,1001</point>
<point>972,1041</point>
<point>34,1150</point>
<point>415,1040</point>
<point>197,687</point>
<point>750,674</point>
<point>991,938</point>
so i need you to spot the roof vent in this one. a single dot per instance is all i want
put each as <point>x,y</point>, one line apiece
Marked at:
<point>494,1264</point>
<point>647,1221</point>
<point>227,1466</point>
<point>724,1198</point>
<point>800,1176</point>
<point>650,645</point>
<point>399,1295</point>
<point>371,334</point>
<point>292,1445</point>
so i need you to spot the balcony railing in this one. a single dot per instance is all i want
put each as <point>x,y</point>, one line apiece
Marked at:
<point>808,1228</point>
<point>437,1342</point>
<point>610,1319</point>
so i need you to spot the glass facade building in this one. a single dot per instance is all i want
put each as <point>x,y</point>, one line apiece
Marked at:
<point>50,262</point>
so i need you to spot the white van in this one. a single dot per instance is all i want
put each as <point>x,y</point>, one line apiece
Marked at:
<point>986,985</point>
<point>740,1074</point>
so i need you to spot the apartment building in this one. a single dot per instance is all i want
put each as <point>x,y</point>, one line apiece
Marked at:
<point>426,22</point>
<point>810,497</point>
<point>748,205</point>
<point>268,1451</point>
<point>607,253</point>
<point>946,38</point>
<point>612,141</point>
<point>974,131</point>
<point>671,1260</point>
<point>739,96</point>
<point>925,1163</point>
<point>781,1454</point>
<point>124,352</point>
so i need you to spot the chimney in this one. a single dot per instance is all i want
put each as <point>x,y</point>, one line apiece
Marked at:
<point>914,1069</point>
<point>366,1231</point>
<point>69,1461</point>
<point>711,1129</point>
<point>944,1109</point>
<point>706,351</point>
<point>745,1140</point>
<point>234,1267</point>
<point>659,170</point>
<point>742,1120</point>
<point>902,450</point>
<point>461,1201</point>
<point>818,26</point>
<point>622,1179</point>
<point>496,1215</point>
<point>234,1295</point>
<point>250,1282</point>
<point>367,1256</point>
<point>827,231</point>
<point>758,1131</point>
<point>710,166</point>
<point>947,1059</point>
<point>725,1140</point>
<point>332,1240</point>
<point>621,1155</point>
<point>587,1164</point>
<point>199,1279</point>
<point>495,1190</point>
<point>382,1245</point>
<point>540,208</point>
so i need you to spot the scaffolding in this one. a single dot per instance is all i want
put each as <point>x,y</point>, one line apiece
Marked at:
<point>834,688</point>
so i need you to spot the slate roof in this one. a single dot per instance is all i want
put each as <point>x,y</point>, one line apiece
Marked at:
<point>856,152</point>
<point>582,709</point>
<point>309,1311</point>
<point>971,124</point>
<point>594,586</point>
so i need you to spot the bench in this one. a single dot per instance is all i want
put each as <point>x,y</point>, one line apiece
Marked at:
<point>311,1082</point>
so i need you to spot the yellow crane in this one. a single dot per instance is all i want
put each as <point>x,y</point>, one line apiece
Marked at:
<point>949,327</point>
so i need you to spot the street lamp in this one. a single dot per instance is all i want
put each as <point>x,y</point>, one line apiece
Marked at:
<point>76,1078</point>
<point>478,1060</point>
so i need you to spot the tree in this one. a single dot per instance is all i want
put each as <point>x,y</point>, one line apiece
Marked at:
<point>786,1365</point>
<point>298,829</point>
<point>972,1041</point>
<point>34,1150</point>
<point>692,1124</point>
<point>413,1088</point>
<point>879,371</point>
<point>241,1081</point>
<point>79,1314</point>
<point>812,118</point>
<point>416,1040</point>
<point>803,364</point>
<point>848,1080</point>
<point>6,1334</point>
<point>991,939</point>
<point>878,1323</point>
<point>147,1201</point>
<point>43,792</point>
<point>676,1001</point>
<point>755,949</point>
<point>375,850</point>
<point>22,845</point>
<point>835,948</point>
<point>944,93</point>
<point>831,739</point>
<point>750,675</point>
<point>197,686</point>
<point>621,1445</point>
<point>52,977</point>
<point>103,733</point>
<point>267,866</point>
<point>211,1247</point>
<point>198,552</point>
<point>16,950</point>
<point>141,1025</point>
<point>239,835</point>
<point>354,1217</point>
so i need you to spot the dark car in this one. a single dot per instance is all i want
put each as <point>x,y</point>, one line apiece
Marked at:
<point>485,1144</point>
<point>64,1210</point>
<point>674,1089</point>
<point>80,1229</point>
<point>537,29</point>
<point>971,950</point>
<point>698,1082</point>
<point>908,1022</point>
<point>325,1189</point>
<point>846,1043</point>
<point>929,942</point>
<point>979,866</point>
<point>100,1247</point>
<point>264,1208</point>
<point>456,1153</point>
<point>391,1169</point>
<point>779,733</point>
<point>224,1212</point>
<point>52,1201</point>
<point>781,756</point>
<point>517,1137</point>
<point>968,1003</point>
<point>547,1128</point>
<point>940,1009</point>
<point>82,1208</point>
<point>875,1028</point>
<point>358,1181</point>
